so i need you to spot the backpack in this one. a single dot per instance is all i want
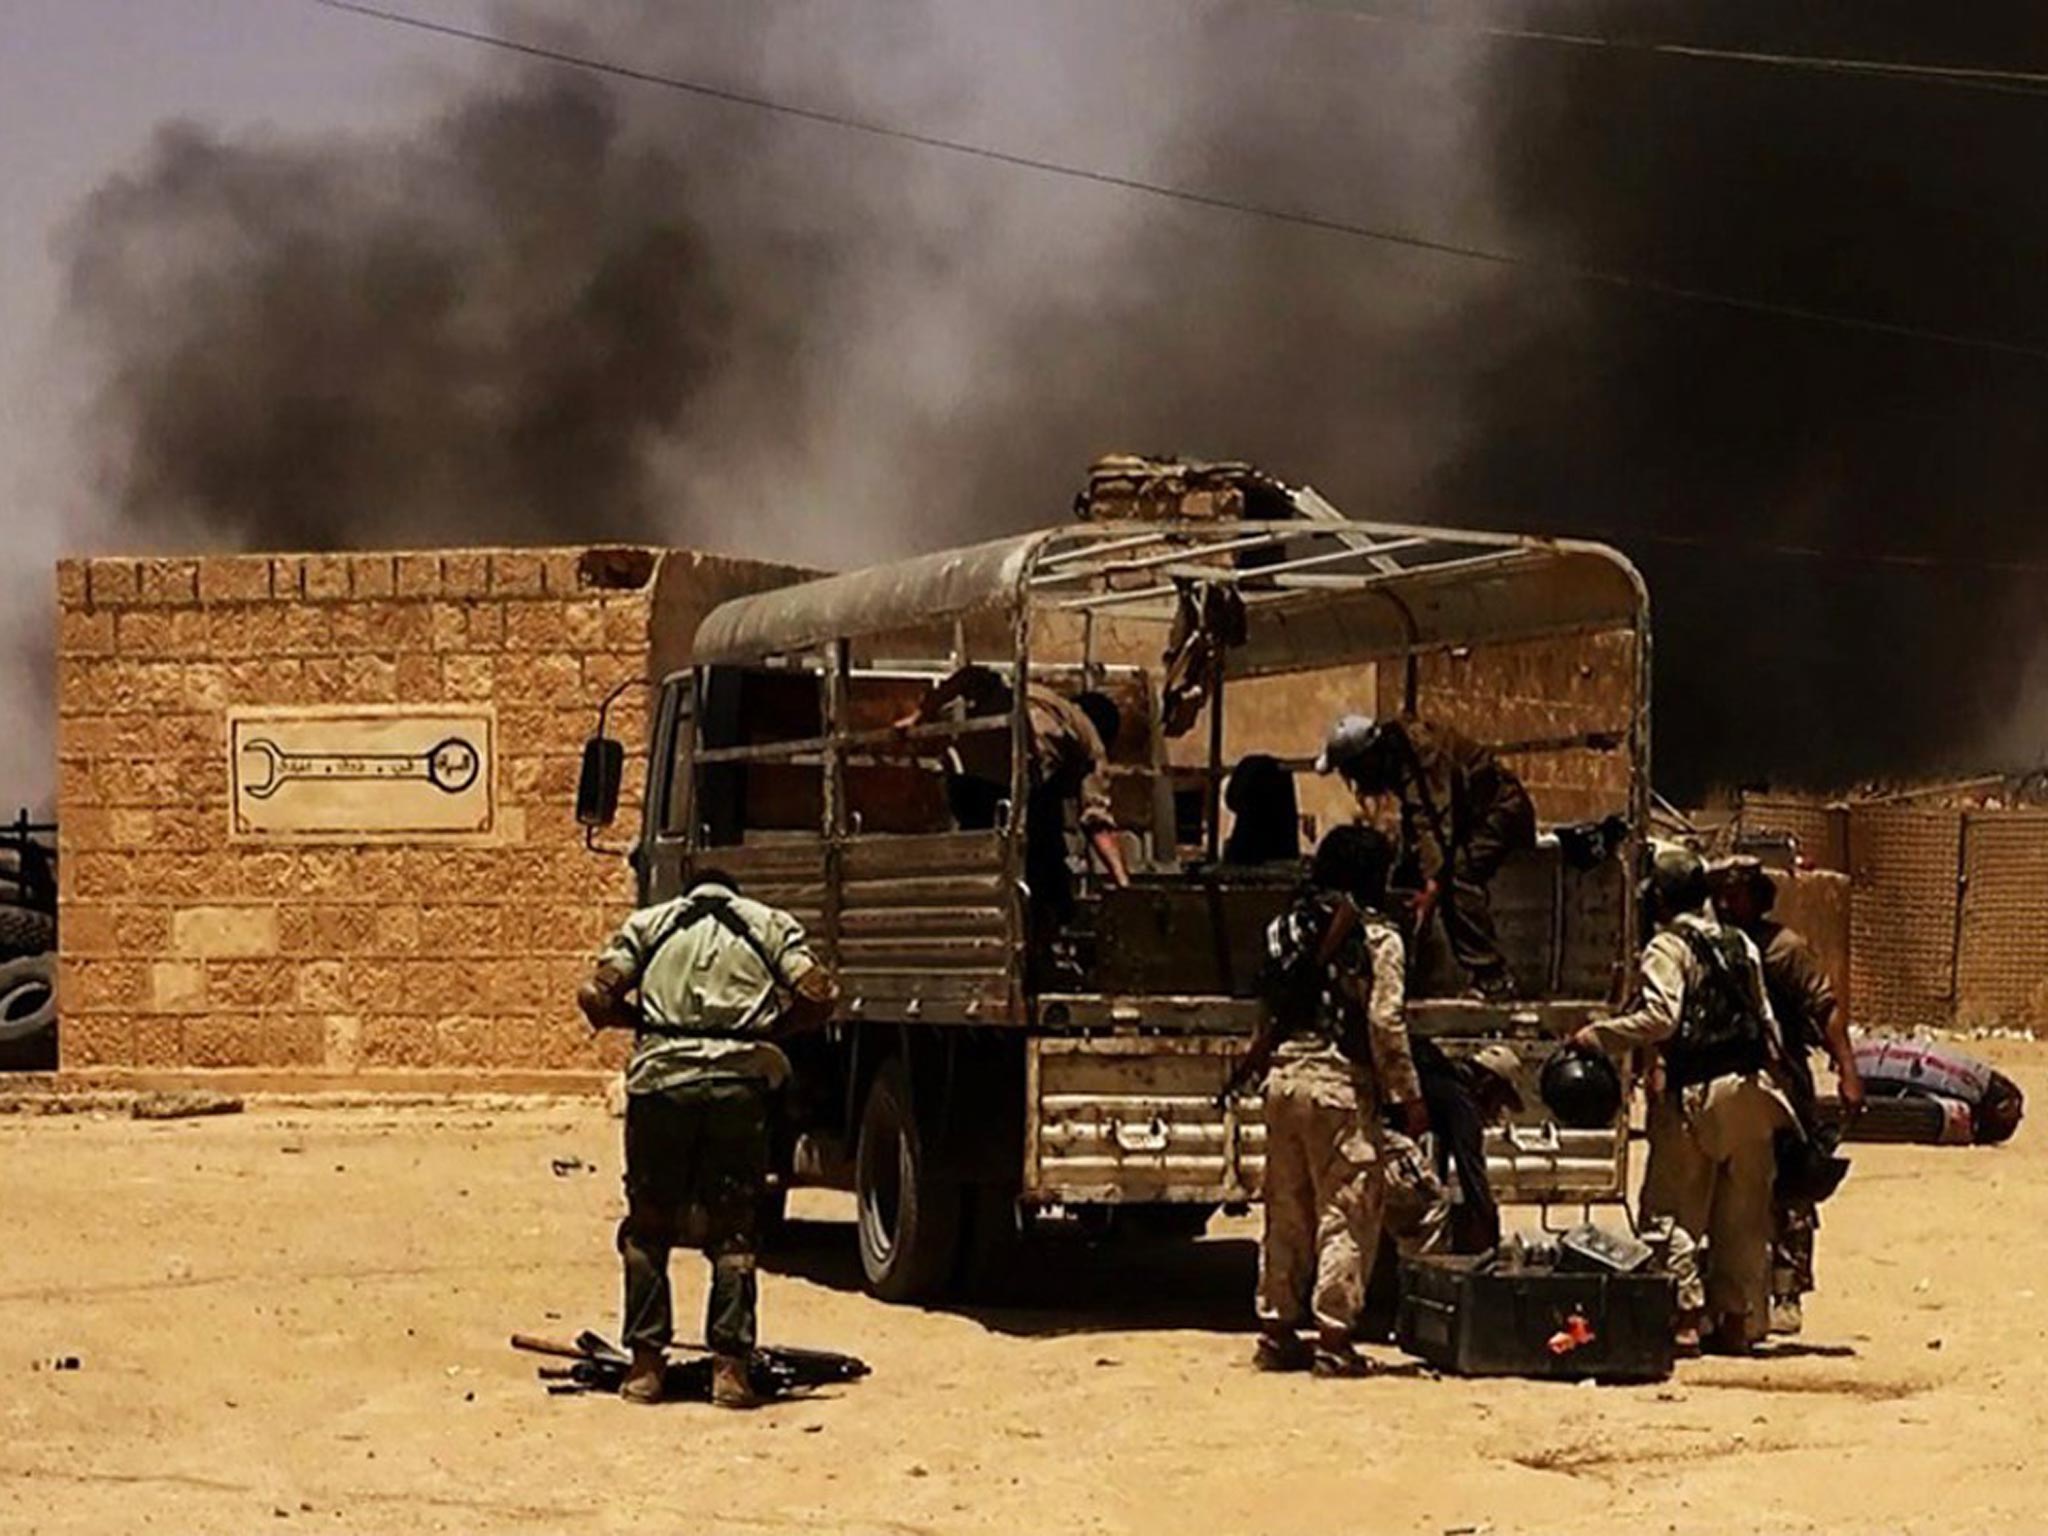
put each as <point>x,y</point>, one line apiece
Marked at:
<point>1721,1028</point>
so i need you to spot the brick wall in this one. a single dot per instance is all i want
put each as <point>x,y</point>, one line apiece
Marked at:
<point>184,946</point>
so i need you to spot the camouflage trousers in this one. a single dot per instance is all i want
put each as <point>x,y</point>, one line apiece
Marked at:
<point>1323,1198</point>
<point>1712,1164</point>
<point>1798,1223</point>
<point>696,1164</point>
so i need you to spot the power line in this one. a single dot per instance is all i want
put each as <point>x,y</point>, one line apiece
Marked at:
<point>2019,82</point>
<point>1563,270</point>
<point>1889,559</point>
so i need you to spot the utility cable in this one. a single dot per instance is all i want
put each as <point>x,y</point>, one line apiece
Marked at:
<point>1561,270</point>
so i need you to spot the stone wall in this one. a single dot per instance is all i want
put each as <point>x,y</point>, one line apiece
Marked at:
<point>186,944</point>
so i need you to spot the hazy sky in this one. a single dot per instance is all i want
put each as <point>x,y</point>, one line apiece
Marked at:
<point>83,83</point>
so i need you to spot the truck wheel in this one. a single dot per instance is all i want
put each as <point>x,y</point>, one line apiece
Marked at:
<point>909,1215</point>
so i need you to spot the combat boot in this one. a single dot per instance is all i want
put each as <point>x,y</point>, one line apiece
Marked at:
<point>1335,1357</point>
<point>1281,1349</point>
<point>732,1385</point>
<point>1787,1316</point>
<point>646,1379</point>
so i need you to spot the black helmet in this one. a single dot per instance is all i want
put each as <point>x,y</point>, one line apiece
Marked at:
<point>1677,881</point>
<point>1581,1089</point>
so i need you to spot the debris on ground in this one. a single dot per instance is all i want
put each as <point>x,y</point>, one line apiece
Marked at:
<point>183,1106</point>
<point>564,1166</point>
<point>598,1365</point>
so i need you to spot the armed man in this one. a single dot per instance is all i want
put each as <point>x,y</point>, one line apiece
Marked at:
<point>1462,814</point>
<point>1715,1107</point>
<point>708,983</point>
<point>1808,1020</point>
<point>1333,1049</point>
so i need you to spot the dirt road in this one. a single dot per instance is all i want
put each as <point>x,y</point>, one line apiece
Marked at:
<point>294,1318</point>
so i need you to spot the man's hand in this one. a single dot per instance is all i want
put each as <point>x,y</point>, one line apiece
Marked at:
<point>1423,903</point>
<point>1414,1117</point>
<point>1849,1087</point>
<point>1111,852</point>
<point>606,1000</point>
<point>1587,1038</point>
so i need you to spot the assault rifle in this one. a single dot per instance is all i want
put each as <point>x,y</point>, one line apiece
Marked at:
<point>598,1365</point>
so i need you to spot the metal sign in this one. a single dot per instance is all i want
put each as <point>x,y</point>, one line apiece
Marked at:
<point>362,774</point>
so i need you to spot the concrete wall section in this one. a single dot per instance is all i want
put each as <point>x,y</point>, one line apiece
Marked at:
<point>327,939</point>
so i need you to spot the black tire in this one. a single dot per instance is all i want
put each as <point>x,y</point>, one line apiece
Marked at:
<point>28,999</point>
<point>1166,1223</point>
<point>25,931</point>
<point>908,1214</point>
<point>1899,1118</point>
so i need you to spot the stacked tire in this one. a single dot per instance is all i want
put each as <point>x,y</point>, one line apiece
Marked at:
<point>28,981</point>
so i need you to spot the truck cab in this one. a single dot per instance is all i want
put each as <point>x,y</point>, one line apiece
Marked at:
<point>997,1053</point>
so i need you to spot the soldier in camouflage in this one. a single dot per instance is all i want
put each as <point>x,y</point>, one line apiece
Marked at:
<point>1323,1092</point>
<point>1809,1020</point>
<point>708,983</point>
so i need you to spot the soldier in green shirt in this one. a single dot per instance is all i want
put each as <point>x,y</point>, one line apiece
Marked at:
<point>708,983</point>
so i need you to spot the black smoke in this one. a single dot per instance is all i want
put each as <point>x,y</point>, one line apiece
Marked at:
<point>1718,445</point>
<point>475,334</point>
<point>568,308</point>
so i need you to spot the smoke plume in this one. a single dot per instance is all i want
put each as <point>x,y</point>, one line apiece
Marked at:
<point>568,308</point>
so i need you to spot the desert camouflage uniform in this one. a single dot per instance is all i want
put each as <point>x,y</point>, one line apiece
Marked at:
<point>1323,1189</point>
<point>1712,1150</point>
<point>1804,1002</point>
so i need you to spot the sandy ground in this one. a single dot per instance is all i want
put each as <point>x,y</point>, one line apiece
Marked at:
<point>296,1318</point>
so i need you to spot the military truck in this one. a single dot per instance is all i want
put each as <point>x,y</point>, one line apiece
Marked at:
<point>995,1057</point>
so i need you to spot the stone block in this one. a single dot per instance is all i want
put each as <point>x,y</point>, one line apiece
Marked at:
<point>448,626</point>
<point>371,575</point>
<point>397,1040</point>
<point>373,986</point>
<point>140,633</point>
<point>234,579</point>
<point>161,1042</point>
<point>468,677</point>
<point>96,1040</point>
<point>291,1041</point>
<point>72,587</point>
<point>342,1041</point>
<point>203,688</point>
<point>90,928</point>
<point>308,631</point>
<point>138,931</point>
<point>517,572</point>
<point>222,1040</point>
<point>397,930</point>
<point>323,986</point>
<point>369,679</point>
<point>626,624</point>
<point>102,986</point>
<point>166,580</point>
<point>326,577</point>
<point>463,1041</point>
<point>535,627</point>
<point>86,631</point>
<point>177,986</point>
<point>112,583</point>
<point>419,575</point>
<point>583,625</point>
<point>258,985</point>
<point>561,572</point>
<point>466,573</point>
<point>287,577</point>
<point>484,626</point>
<point>325,678</point>
<point>224,932</point>
<point>542,678</point>
<point>419,678</point>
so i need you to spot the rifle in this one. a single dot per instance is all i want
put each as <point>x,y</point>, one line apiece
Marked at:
<point>1252,1066</point>
<point>597,1365</point>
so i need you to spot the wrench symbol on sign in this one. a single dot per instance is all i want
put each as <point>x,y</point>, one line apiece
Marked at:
<point>450,766</point>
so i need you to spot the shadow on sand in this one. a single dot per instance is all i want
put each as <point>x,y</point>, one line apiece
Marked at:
<point>1064,1283</point>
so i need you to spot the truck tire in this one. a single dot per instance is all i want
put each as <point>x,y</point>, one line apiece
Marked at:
<point>28,999</point>
<point>25,931</point>
<point>908,1214</point>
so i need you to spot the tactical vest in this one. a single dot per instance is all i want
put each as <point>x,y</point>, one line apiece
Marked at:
<point>1721,1027</point>
<point>1303,996</point>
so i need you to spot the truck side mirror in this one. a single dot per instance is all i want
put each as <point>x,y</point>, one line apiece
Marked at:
<point>597,786</point>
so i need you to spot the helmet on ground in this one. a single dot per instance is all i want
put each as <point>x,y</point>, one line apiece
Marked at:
<point>1581,1089</point>
<point>1350,739</point>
